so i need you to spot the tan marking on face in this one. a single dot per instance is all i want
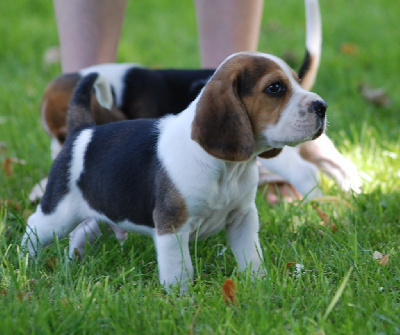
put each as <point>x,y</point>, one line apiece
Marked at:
<point>55,104</point>
<point>170,211</point>
<point>263,108</point>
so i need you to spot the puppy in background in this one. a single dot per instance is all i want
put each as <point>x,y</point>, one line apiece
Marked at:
<point>184,176</point>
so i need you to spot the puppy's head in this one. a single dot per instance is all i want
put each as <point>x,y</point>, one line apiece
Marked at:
<point>254,105</point>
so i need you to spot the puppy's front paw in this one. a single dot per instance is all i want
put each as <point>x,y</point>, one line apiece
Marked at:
<point>351,180</point>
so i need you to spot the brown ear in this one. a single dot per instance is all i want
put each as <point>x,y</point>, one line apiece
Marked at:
<point>271,153</point>
<point>221,124</point>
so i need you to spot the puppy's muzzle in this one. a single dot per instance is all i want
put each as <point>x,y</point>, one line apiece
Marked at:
<point>319,107</point>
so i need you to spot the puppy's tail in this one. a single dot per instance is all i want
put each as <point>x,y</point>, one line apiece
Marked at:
<point>309,68</point>
<point>79,113</point>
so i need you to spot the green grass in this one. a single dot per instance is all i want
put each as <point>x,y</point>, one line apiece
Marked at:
<point>342,289</point>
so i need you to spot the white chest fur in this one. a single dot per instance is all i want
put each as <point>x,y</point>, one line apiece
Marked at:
<point>215,191</point>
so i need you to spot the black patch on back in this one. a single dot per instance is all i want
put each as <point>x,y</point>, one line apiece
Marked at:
<point>58,180</point>
<point>305,67</point>
<point>120,169</point>
<point>154,93</point>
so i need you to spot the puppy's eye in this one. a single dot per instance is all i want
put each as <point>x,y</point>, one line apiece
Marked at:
<point>276,89</point>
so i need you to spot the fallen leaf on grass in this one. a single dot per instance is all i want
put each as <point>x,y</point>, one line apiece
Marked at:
<point>298,268</point>
<point>288,265</point>
<point>64,301</point>
<point>11,204</point>
<point>51,263</point>
<point>325,218</point>
<point>228,292</point>
<point>377,96</point>
<point>382,259</point>
<point>332,199</point>
<point>20,295</point>
<point>8,165</point>
<point>349,48</point>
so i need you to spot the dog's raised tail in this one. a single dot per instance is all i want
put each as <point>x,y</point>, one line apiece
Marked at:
<point>79,112</point>
<point>309,68</point>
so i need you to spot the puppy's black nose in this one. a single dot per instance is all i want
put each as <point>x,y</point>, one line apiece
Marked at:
<point>319,107</point>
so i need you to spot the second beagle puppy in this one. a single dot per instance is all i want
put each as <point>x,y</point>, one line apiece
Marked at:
<point>183,176</point>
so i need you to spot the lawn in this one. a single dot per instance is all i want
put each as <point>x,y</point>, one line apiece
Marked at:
<point>348,280</point>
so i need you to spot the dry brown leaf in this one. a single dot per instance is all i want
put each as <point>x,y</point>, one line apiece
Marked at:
<point>325,218</point>
<point>349,48</point>
<point>51,262</point>
<point>298,268</point>
<point>377,96</point>
<point>384,260</point>
<point>332,199</point>
<point>11,204</point>
<point>64,301</point>
<point>288,265</point>
<point>20,295</point>
<point>229,291</point>
<point>8,165</point>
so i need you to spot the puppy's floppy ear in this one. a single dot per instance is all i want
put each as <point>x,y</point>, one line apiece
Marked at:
<point>271,153</point>
<point>221,124</point>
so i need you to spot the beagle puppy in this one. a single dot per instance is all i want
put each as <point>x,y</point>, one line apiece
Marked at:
<point>141,92</point>
<point>184,176</point>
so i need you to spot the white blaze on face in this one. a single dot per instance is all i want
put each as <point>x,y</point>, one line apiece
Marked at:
<point>298,122</point>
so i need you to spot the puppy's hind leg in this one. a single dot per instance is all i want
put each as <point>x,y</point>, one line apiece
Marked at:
<point>41,228</point>
<point>89,231</point>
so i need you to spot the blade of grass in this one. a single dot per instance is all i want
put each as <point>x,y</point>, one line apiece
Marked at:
<point>338,294</point>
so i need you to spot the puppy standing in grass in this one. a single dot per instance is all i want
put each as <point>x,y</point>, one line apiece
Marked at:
<point>146,93</point>
<point>183,176</point>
